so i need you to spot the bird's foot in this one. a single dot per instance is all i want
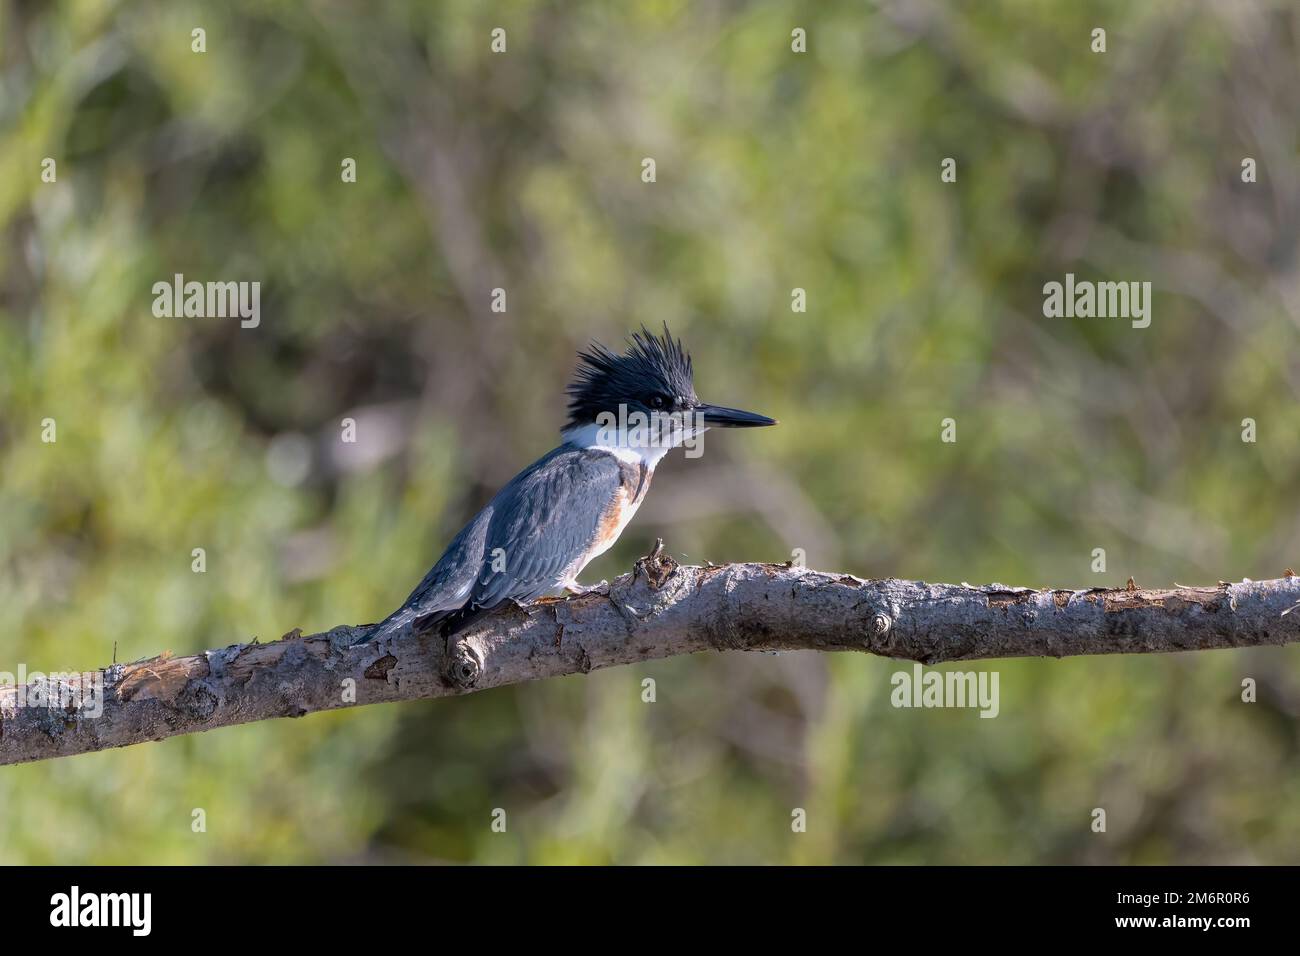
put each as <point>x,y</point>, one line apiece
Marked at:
<point>576,589</point>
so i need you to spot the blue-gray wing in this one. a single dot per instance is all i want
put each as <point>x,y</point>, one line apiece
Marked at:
<point>522,544</point>
<point>543,522</point>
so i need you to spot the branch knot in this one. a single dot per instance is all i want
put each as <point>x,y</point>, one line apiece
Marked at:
<point>656,566</point>
<point>463,666</point>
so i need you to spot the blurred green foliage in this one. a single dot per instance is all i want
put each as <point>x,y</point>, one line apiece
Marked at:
<point>775,170</point>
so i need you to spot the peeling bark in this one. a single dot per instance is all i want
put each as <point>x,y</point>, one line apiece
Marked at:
<point>659,610</point>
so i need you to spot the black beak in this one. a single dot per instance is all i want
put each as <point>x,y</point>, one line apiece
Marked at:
<point>732,417</point>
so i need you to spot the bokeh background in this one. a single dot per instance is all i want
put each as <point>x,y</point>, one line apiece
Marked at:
<point>774,171</point>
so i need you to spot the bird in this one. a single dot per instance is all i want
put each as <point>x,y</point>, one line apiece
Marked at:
<point>625,413</point>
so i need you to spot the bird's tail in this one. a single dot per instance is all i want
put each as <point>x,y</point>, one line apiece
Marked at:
<point>450,622</point>
<point>407,614</point>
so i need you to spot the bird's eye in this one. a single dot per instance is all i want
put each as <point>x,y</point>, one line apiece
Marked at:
<point>657,402</point>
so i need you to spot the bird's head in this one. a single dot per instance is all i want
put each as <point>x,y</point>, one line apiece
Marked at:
<point>653,377</point>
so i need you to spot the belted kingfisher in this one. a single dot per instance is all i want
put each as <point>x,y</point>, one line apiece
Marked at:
<point>533,539</point>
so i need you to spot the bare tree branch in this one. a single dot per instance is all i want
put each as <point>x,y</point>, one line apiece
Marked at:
<point>659,610</point>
